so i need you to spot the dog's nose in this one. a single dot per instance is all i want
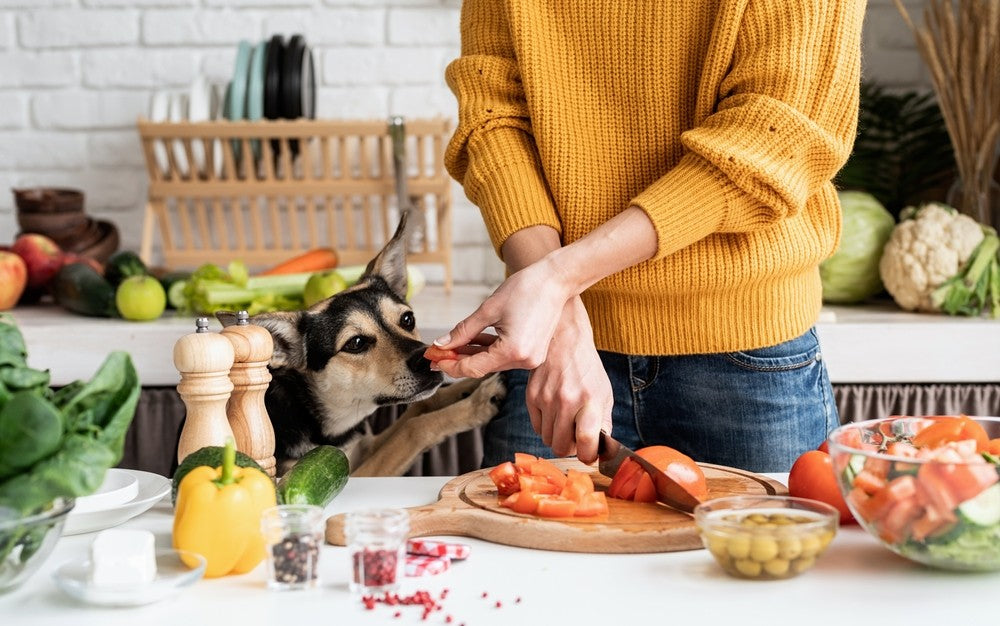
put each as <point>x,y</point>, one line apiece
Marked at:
<point>417,363</point>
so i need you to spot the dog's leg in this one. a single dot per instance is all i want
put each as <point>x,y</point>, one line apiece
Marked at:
<point>463,406</point>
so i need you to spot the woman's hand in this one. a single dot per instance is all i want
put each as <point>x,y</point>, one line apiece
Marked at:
<point>524,312</point>
<point>569,395</point>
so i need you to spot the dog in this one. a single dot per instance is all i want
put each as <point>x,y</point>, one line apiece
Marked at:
<point>338,361</point>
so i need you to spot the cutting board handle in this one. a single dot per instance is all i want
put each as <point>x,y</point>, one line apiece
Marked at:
<point>428,520</point>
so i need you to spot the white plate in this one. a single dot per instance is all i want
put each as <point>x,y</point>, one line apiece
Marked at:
<point>152,487</point>
<point>119,487</point>
<point>158,112</point>
<point>178,113</point>
<point>201,107</point>
<point>172,575</point>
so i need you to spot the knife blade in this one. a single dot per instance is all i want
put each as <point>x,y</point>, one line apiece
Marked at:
<point>611,453</point>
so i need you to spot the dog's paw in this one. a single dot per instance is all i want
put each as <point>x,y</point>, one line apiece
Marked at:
<point>487,397</point>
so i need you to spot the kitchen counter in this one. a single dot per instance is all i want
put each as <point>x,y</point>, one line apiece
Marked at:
<point>867,344</point>
<point>857,580</point>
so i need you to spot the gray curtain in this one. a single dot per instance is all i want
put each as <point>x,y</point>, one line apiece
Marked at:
<point>151,443</point>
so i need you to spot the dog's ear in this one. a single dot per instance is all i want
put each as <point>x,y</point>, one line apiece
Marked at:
<point>390,264</point>
<point>289,347</point>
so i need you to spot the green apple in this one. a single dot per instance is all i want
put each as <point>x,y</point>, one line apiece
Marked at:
<point>322,285</point>
<point>140,298</point>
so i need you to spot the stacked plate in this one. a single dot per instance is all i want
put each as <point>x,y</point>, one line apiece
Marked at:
<point>123,495</point>
<point>272,79</point>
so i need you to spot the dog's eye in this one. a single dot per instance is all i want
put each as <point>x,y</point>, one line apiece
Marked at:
<point>407,321</point>
<point>358,343</point>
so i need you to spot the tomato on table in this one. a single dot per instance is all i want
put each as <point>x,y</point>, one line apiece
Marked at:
<point>812,476</point>
<point>435,354</point>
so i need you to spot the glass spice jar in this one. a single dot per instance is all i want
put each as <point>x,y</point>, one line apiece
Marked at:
<point>376,541</point>
<point>294,535</point>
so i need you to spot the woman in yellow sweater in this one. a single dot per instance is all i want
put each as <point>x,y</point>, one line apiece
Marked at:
<point>656,176</point>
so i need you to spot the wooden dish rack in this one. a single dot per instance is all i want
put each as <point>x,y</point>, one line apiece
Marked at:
<point>262,191</point>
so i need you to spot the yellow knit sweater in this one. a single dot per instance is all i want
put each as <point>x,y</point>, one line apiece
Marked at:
<point>724,120</point>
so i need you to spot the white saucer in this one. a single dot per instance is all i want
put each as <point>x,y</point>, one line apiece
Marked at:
<point>151,488</point>
<point>172,575</point>
<point>119,487</point>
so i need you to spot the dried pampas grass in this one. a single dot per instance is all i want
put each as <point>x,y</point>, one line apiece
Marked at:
<point>960,43</point>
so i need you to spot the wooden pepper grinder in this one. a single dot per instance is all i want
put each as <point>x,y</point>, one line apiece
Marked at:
<point>203,359</point>
<point>252,429</point>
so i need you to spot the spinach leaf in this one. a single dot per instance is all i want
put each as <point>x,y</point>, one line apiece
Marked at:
<point>31,428</point>
<point>105,405</point>
<point>25,378</point>
<point>12,349</point>
<point>76,469</point>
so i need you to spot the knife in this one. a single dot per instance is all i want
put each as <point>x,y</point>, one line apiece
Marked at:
<point>611,454</point>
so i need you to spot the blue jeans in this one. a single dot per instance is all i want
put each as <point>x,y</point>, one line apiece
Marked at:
<point>757,410</point>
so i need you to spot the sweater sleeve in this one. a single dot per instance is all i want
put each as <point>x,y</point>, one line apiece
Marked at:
<point>784,124</point>
<point>493,152</point>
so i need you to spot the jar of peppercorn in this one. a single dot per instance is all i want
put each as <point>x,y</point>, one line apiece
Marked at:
<point>294,534</point>
<point>376,541</point>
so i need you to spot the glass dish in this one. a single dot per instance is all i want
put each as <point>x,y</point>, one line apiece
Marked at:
<point>172,575</point>
<point>25,542</point>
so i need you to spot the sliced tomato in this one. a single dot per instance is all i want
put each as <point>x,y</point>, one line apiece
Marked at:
<point>625,481</point>
<point>965,480</point>
<point>592,505</point>
<point>577,486</point>
<point>523,461</point>
<point>504,476</point>
<point>555,506</point>
<point>645,490</point>
<point>536,484</point>
<point>894,527</point>
<point>546,469</point>
<point>945,429</point>
<point>869,482</point>
<point>435,354</point>
<point>526,502</point>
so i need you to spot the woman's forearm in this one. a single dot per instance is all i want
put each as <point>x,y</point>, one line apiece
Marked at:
<point>528,245</point>
<point>621,242</point>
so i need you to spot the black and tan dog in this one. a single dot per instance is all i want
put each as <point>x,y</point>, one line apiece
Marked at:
<point>335,363</point>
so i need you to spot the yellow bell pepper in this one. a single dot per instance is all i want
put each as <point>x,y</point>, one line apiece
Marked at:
<point>218,515</point>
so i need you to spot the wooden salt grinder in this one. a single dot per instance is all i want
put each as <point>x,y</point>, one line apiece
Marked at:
<point>203,359</point>
<point>252,347</point>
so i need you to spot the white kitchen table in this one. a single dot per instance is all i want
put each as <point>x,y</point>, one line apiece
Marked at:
<point>857,581</point>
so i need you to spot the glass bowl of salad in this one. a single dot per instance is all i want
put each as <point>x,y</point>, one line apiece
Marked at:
<point>927,487</point>
<point>26,541</point>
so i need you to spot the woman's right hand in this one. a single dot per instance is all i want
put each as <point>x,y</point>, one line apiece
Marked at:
<point>524,312</point>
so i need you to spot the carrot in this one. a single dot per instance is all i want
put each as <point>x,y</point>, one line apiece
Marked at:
<point>311,261</point>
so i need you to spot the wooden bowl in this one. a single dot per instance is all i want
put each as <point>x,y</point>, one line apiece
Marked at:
<point>83,239</point>
<point>57,225</point>
<point>106,245</point>
<point>48,200</point>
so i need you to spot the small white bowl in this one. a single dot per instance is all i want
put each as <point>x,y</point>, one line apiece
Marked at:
<point>118,488</point>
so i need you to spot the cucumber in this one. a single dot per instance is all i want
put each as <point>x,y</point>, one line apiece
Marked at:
<point>984,509</point>
<point>78,287</point>
<point>316,478</point>
<point>210,456</point>
<point>855,465</point>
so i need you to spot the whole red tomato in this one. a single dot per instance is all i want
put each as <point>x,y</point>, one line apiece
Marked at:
<point>812,477</point>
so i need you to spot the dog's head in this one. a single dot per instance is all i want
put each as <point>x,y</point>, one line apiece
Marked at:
<point>358,349</point>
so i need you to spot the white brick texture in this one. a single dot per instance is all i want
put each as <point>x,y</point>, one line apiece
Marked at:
<point>75,75</point>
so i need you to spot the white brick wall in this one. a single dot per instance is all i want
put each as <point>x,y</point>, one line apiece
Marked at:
<point>75,74</point>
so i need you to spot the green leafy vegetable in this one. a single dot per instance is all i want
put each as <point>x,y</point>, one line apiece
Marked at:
<point>852,274</point>
<point>211,288</point>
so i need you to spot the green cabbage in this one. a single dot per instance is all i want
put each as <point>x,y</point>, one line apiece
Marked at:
<point>851,274</point>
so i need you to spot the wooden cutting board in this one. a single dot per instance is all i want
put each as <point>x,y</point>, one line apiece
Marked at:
<point>468,506</point>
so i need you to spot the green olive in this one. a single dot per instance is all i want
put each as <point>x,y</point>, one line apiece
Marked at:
<point>789,547</point>
<point>717,545</point>
<point>739,546</point>
<point>810,546</point>
<point>777,567</point>
<point>802,564</point>
<point>757,518</point>
<point>763,548</point>
<point>747,567</point>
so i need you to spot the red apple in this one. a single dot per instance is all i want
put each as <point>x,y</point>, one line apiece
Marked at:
<point>42,256</point>
<point>13,278</point>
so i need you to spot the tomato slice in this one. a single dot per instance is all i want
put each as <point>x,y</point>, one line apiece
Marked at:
<point>504,476</point>
<point>645,490</point>
<point>625,481</point>
<point>526,502</point>
<point>555,506</point>
<point>547,470</point>
<point>523,461</point>
<point>592,505</point>
<point>577,486</point>
<point>965,480</point>
<point>993,446</point>
<point>536,484</point>
<point>435,354</point>
<point>947,429</point>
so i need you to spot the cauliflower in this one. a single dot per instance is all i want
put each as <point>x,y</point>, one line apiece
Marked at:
<point>937,260</point>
